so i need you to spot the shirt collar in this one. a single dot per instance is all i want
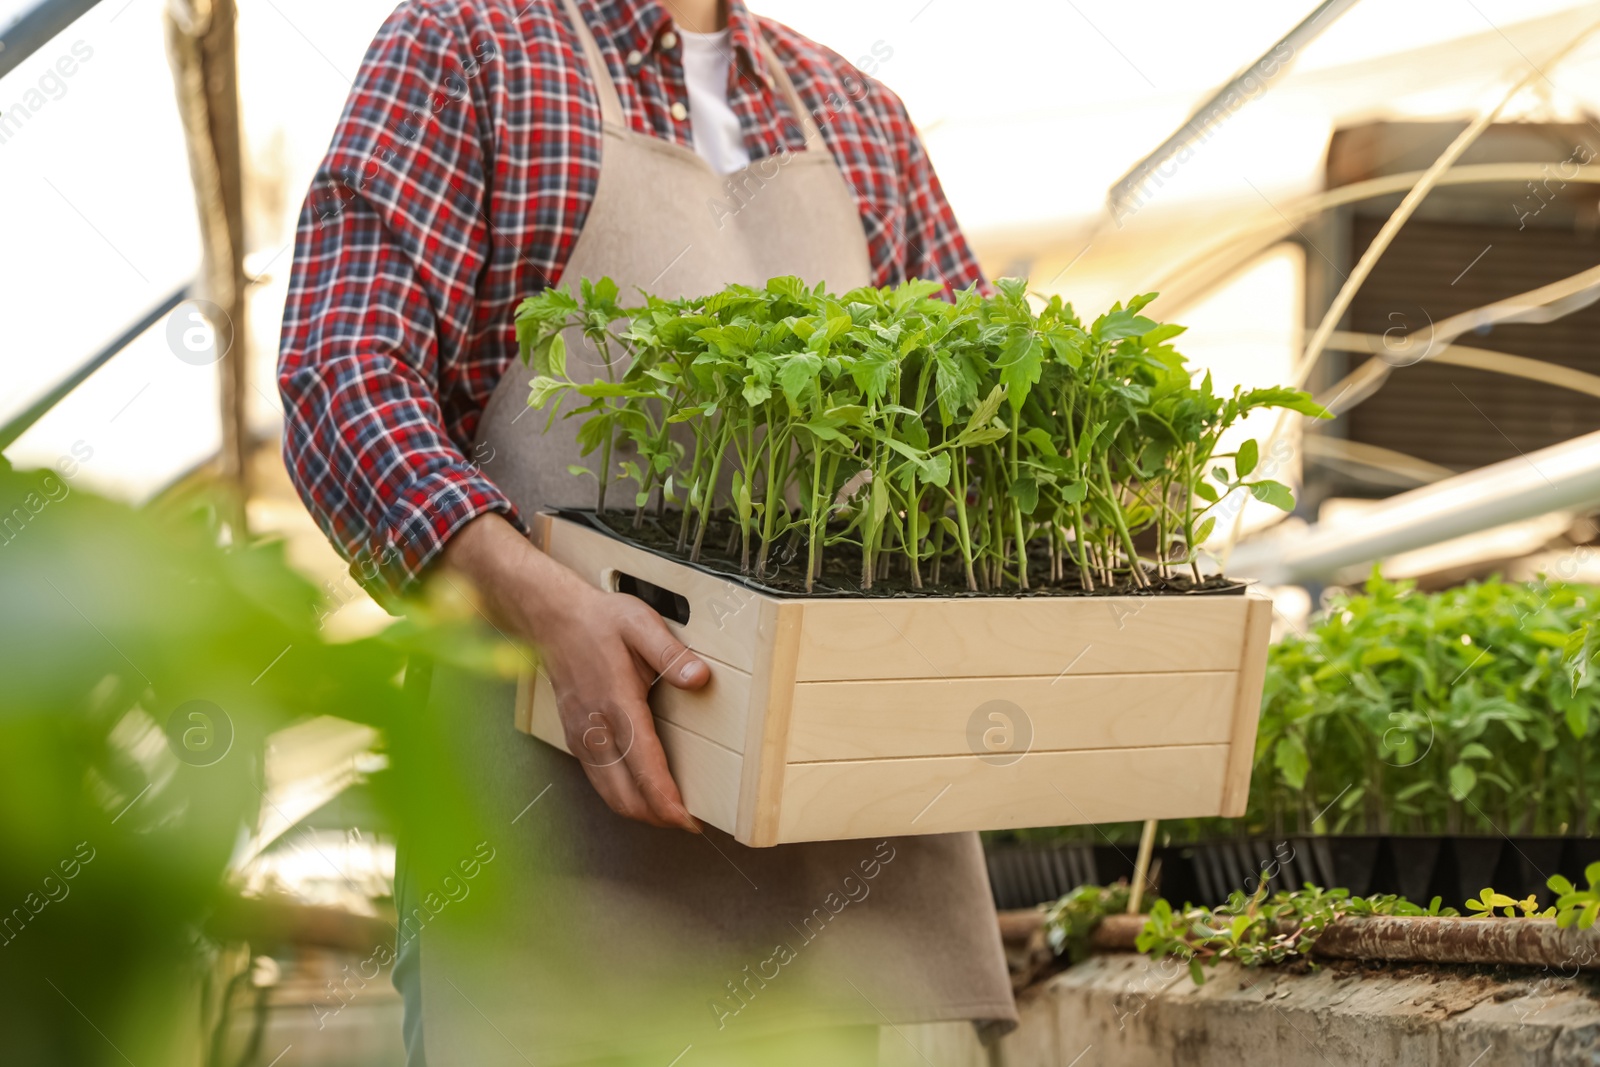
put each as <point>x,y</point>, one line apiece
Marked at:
<point>637,25</point>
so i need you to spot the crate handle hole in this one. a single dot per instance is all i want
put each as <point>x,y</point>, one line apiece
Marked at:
<point>674,607</point>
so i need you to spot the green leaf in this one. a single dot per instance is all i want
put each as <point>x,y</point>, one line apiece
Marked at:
<point>979,438</point>
<point>1275,493</point>
<point>1162,334</point>
<point>826,430</point>
<point>880,503</point>
<point>1462,780</point>
<point>986,411</point>
<point>1020,367</point>
<point>1292,761</point>
<point>556,357</point>
<point>1117,325</point>
<point>787,286</point>
<point>1013,289</point>
<point>1279,397</point>
<point>798,373</point>
<point>1041,440</point>
<point>1414,788</point>
<point>1025,491</point>
<point>541,390</point>
<point>1245,461</point>
<point>593,433</point>
<point>756,392</point>
<point>1068,348</point>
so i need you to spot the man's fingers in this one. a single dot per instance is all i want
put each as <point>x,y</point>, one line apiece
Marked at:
<point>647,762</point>
<point>623,757</point>
<point>621,793</point>
<point>669,659</point>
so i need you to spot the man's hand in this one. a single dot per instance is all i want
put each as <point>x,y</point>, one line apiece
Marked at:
<point>601,651</point>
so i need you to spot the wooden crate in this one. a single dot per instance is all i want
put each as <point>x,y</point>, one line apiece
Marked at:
<point>834,719</point>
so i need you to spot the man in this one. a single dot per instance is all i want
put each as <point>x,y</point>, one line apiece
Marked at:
<point>491,148</point>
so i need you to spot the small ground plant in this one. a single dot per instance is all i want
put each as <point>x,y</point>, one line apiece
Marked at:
<point>1261,928</point>
<point>985,441</point>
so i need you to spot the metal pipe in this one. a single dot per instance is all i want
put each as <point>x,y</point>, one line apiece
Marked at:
<point>21,423</point>
<point>1216,263</point>
<point>34,28</point>
<point>1558,478</point>
<point>1308,30</point>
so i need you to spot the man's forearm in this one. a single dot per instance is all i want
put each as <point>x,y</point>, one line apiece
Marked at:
<point>521,586</point>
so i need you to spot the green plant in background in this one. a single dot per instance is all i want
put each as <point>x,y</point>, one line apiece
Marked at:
<point>1467,710</point>
<point>977,439</point>
<point>1487,900</point>
<point>1471,709</point>
<point>1582,651</point>
<point>1574,906</point>
<point>144,667</point>
<point>1444,712</point>
<point>1070,920</point>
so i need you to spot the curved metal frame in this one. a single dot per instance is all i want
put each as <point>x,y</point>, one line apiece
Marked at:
<point>34,29</point>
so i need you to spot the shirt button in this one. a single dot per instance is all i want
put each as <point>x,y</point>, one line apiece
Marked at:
<point>669,41</point>
<point>679,112</point>
<point>635,57</point>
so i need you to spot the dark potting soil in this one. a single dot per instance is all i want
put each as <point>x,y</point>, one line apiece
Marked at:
<point>786,566</point>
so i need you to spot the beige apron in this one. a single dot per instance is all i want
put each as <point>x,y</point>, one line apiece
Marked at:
<point>627,936</point>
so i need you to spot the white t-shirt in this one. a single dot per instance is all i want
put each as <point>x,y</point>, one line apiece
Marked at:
<point>707,64</point>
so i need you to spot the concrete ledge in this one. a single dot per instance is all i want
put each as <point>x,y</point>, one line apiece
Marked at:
<point>1127,1011</point>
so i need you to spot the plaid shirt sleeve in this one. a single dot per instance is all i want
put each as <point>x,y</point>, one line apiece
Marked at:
<point>389,245</point>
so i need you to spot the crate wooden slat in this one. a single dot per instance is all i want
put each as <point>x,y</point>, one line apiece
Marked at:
<point>858,640</point>
<point>832,719</point>
<point>928,717</point>
<point>869,798</point>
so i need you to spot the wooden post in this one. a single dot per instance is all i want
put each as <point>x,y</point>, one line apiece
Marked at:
<point>202,46</point>
<point>1141,866</point>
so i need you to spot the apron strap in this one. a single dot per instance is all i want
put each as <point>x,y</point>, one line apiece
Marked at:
<point>610,103</point>
<point>802,114</point>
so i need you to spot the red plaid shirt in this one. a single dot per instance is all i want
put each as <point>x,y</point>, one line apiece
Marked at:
<point>457,182</point>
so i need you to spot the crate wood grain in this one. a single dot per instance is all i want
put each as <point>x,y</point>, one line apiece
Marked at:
<point>833,719</point>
